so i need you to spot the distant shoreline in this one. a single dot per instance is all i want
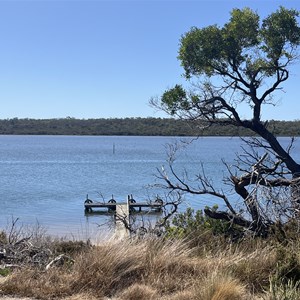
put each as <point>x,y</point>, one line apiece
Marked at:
<point>133,127</point>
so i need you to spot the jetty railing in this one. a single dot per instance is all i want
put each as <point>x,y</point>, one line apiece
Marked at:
<point>133,205</point>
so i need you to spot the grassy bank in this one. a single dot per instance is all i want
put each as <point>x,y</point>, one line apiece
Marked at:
<point>152,268</point>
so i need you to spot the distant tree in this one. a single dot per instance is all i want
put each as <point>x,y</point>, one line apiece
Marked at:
<point>244,62</point>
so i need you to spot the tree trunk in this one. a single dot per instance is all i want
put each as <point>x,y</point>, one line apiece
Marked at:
<point>261,130</point>
<point>290,163</point>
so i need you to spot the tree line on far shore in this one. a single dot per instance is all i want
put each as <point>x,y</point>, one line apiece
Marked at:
<point>133,126</point>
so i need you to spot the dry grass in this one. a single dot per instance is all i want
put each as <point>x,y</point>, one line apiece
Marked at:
<point>221,287</point>
<point>153,269</point>
<point>252,268</point>
<point>138,291</point>
<point>85,296</point>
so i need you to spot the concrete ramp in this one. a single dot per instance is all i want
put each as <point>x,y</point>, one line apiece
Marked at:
<point>122,221</point>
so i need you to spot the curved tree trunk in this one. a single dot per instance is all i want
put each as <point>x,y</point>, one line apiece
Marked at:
<point>262,131</point>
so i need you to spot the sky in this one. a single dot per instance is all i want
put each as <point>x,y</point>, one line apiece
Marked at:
<point>106,59</point>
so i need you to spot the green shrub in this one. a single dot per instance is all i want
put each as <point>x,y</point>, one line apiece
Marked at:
<point>4,272</point>
<point>70,247</point>
<point>192,222</point>
<point>288,264</point>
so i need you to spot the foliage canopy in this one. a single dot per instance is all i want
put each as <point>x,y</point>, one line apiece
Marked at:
<point>244,55</point>
<point>245,61</point>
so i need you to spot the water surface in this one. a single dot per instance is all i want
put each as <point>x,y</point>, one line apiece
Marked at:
<point>46,178</point>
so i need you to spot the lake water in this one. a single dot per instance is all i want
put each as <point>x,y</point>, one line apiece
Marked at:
<point>45,179</point>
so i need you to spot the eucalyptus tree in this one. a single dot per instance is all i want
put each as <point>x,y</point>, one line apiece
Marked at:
<point>245,62</point>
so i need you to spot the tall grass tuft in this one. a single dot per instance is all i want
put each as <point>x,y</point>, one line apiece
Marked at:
<point>108,268</point>
<point>283,290</point>
<point>218,286</point>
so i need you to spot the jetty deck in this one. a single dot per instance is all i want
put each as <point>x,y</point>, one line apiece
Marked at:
<point>133,205</point>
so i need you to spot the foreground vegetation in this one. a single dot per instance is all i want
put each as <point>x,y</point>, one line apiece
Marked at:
<point>197,265</point>
<point>134,126</point>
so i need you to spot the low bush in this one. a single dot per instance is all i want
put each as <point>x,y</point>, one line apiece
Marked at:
<point>192,223</point>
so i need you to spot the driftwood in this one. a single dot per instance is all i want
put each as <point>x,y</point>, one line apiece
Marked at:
<point>59,261</point>
<point>21,248</point>
<point>9,266</point>
<point>23,254</point>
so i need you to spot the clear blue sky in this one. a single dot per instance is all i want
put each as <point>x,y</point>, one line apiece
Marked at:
<point>102,59</point>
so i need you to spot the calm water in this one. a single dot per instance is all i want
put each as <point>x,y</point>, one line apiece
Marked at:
<point>46,178</point>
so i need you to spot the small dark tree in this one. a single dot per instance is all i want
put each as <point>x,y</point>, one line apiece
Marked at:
<point>246,61</point>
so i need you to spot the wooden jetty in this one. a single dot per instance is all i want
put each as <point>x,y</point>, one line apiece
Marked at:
<point>133,205</point>
<point>122,212</point>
